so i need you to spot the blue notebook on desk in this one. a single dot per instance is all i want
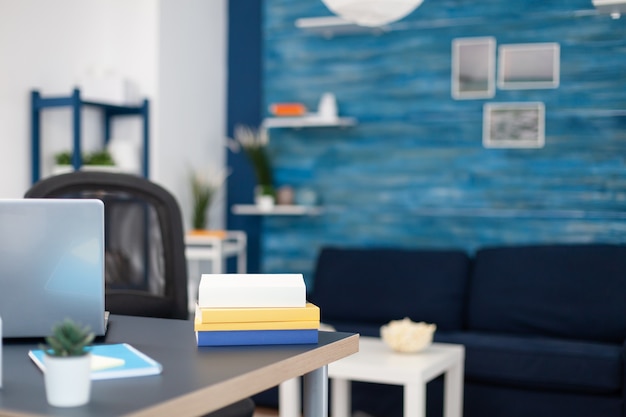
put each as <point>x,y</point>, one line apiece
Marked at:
<point>256,337</point>
<point>119,360</point>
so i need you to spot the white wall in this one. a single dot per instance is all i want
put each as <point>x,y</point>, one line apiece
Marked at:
<point>192,96</point>
<point>174,50</point>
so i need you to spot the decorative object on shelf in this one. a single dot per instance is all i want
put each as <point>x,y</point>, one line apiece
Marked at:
<point>68,365</point>
<point>204,187</point>
<point>372,12</point>
<point>326,115</point>
<point>98,160</point>
<point>126,154</point>
<point>107,86</point>
<point>254,143</point>
<point>327,109</point>
<point>288,109</point>
<point>95,158</point>
<point>407,336</point>
<point>264,198</point>
<point>285,195</point>
<point>306,197</point>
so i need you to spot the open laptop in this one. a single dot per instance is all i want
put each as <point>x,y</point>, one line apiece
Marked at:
<point>51,265</point>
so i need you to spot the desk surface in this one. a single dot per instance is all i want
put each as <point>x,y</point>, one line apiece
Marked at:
<point>195,380</point>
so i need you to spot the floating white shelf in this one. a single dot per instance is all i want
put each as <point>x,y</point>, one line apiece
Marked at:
<point>329,26</point>
<point>277,210</point>
<point>312,120</point>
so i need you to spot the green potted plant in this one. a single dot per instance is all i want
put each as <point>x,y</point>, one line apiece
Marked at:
<point>101,158</point>
<point>63,158</point>
<point>254,143</point>
<point>98,160</point>
<point>67,361</point>
<point>203,191</point>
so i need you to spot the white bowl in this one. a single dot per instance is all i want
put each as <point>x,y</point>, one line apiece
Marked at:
<point>407,336</point>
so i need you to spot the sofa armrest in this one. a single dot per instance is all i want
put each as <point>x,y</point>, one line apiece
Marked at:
<point>624,378</point>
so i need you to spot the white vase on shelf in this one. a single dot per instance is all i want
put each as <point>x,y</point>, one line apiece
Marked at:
<point>264,202</point>
<point>264,197</point>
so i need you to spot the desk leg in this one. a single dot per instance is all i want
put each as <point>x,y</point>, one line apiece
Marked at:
<point>289,398</point>
<point>453,391</point>
<point>242,258</point>
<point>218,258</point>
<point>192,284</point>
<point>415,399</point>
<point>341,403</point>
<point>316,393</point>
<point>241,262</point>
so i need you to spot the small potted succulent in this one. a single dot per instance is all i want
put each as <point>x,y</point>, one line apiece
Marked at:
<point>67,361</point>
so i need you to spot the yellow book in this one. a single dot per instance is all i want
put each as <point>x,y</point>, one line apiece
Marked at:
<point>264,325</point>
<point>310,312</point>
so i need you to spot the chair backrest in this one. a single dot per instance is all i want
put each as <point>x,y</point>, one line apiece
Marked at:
<point>145,270</point>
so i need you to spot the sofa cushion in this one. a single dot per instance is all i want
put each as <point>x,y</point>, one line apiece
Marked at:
<point>362,328</point>
<point>487,400</point>
<point>540,363</point>
<point>570,291</point>
<point>378,285</point>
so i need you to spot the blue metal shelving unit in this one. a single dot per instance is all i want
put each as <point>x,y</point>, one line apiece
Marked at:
<point>109,111</point>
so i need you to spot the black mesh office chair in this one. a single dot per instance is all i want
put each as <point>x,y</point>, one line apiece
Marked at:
<point>145,270</point>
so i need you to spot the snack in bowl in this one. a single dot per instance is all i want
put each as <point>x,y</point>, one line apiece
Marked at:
<point>407,336</point>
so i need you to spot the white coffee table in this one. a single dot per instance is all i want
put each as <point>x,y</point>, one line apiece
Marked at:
<point>376,362</point>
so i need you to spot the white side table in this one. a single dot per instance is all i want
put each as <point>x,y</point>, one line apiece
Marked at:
<point>376,362</point>
<point>215,249</point>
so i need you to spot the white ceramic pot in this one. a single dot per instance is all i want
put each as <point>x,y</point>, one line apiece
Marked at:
<point>265,202</point>
<point>67,380</point>
<point>264,198</point>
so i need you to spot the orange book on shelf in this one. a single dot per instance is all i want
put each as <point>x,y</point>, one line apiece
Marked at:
<point>220,234</point>
<point>288,109</point>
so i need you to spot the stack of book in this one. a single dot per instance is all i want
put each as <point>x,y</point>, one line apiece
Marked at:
<point>254,309</point>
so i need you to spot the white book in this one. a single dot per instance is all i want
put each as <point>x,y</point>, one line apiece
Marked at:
<point>251,290</point>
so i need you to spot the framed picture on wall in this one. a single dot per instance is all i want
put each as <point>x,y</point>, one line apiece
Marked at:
<point>473,67</point>
<point>514,125</point>
<point>530,65</point>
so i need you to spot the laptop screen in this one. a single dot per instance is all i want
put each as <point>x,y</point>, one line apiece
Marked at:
<point>51,265</point>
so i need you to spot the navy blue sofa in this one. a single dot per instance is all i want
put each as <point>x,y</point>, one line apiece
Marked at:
<point>543,326</point>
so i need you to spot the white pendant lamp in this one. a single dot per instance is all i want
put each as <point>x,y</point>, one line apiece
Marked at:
<point>372,12</point>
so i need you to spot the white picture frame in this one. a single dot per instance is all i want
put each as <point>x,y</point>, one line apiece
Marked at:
<point>514,125</point>
<point>473,68</point>
<point>529,66</point>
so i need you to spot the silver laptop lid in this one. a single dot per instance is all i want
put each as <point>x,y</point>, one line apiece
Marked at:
<point>51,265</point>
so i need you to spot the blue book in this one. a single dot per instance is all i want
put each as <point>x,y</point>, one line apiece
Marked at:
<point>256,337</point>
<point>119,360</point>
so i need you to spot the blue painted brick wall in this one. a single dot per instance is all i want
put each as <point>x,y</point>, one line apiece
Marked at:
<point>413,172</point>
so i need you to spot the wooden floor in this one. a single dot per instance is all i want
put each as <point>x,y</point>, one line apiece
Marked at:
<point>270,412</point>
<point>265,412</point>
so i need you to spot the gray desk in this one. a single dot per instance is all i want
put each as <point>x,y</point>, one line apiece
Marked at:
<point>194,380</point>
